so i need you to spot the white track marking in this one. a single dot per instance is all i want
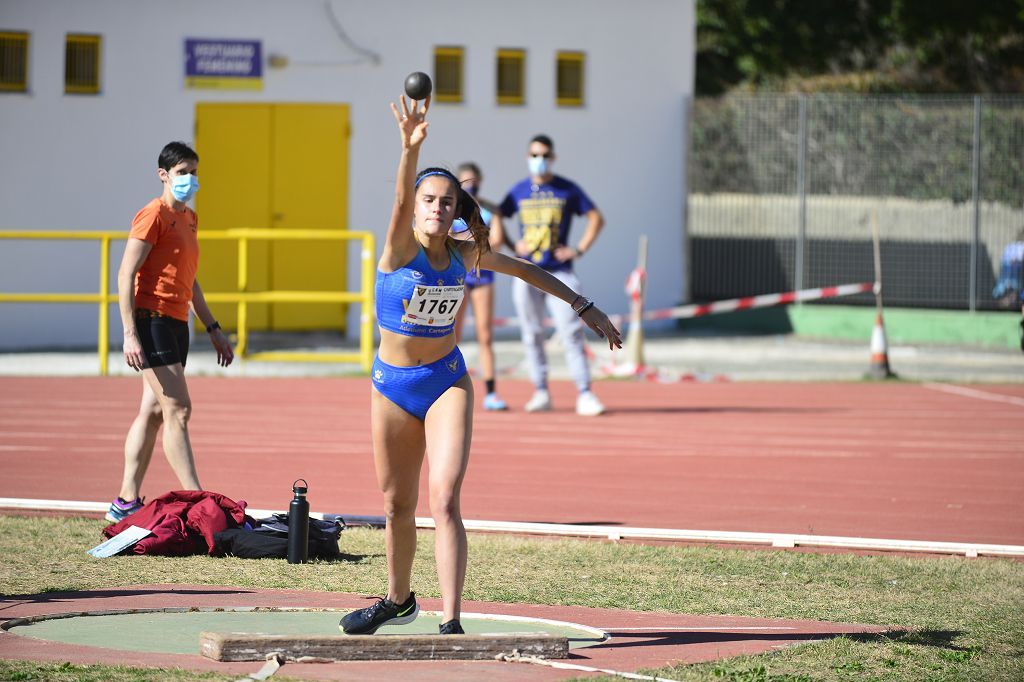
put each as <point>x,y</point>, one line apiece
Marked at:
<point>975,393</point>
<point>616,532</point>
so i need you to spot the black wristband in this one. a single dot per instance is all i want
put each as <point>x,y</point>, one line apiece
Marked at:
<point>588,306</point>
<point>212,327</point>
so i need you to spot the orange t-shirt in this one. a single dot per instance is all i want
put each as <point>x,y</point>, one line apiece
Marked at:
<point>164,282</point>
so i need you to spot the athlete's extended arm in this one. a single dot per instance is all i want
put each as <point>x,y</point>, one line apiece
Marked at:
<point>412,127</point>
<point>546,282</point>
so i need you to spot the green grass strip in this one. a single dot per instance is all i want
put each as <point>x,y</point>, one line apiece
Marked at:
<point>966,614</point>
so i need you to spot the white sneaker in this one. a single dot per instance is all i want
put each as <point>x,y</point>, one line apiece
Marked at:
<point>588,405</point>
<point>540,401</point>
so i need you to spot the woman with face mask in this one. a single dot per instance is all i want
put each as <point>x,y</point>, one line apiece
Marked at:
<point>422,397</point>
<point>156,286</point>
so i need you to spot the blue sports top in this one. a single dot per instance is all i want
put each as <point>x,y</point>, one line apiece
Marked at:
<point>417,300</point>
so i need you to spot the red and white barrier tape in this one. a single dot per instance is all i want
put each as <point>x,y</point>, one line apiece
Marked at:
<point>635,284</point>
<point>748,302</point>
<point>661,375</point>
<point>664,375</point>
<point>726,306</point>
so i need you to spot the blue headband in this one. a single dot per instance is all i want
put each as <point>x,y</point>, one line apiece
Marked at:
<point>444,173</point>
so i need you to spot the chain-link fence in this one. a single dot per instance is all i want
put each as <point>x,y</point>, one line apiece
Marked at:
<point>784,191</point>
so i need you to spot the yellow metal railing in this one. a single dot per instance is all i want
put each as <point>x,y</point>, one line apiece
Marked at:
<point>242,298</point>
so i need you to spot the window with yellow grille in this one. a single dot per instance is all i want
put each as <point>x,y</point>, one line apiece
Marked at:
<point>82,64</point>
<point>448,74</point>
<point>511,76</point>
<point>13,61</point>
<point>569,79</point>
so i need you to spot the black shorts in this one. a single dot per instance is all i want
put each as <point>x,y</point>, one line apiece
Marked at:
<point>164,339</point>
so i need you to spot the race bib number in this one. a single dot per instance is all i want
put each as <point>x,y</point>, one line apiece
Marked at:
<point>434,306</point>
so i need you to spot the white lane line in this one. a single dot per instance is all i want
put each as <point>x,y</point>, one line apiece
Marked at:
<point>975,393</point>
<point>782,540</point>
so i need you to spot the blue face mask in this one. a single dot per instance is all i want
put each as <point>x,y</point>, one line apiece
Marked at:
<point>539,166</point>
<point>184,187</point>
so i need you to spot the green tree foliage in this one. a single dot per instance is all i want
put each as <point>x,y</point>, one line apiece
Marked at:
<point>860,45</point>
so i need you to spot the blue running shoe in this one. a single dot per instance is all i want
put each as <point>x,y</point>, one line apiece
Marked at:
<point>494,403</point>
<point>383,612</point>
<point>120,509</point>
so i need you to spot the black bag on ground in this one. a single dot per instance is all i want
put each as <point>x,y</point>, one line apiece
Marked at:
<point>269,539</point>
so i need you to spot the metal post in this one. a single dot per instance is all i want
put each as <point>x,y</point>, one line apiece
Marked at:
<point>243,287</point>
<point>801,188</point>
<point>635,337</point>
<point>976,200</point>
<point>104,335</point>
<point>366,317</point>
<point>688,106</point>
<point>876,243</point>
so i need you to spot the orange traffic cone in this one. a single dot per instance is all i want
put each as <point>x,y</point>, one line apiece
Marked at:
<point>879,353</point>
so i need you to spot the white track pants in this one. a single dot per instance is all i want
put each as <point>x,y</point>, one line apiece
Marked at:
<point>530,303</point>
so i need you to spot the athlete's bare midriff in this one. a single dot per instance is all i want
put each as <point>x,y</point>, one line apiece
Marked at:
<point>411,351</point>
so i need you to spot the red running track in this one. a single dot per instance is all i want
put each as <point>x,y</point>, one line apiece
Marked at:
<point>886,460</point>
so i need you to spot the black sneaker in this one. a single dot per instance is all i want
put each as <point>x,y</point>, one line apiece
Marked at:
<point>452,627</point>
<point>384,612</point>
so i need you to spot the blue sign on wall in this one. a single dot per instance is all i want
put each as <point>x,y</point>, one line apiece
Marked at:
<point>223,64</point>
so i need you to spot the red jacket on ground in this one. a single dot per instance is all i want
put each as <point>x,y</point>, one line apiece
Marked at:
<point>183,522</point>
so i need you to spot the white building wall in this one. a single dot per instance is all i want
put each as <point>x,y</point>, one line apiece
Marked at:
<point>78,162</point>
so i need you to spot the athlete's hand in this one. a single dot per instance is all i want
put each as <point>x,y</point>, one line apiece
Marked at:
<point>225,354</point>
<point>602,326</point>
<point>412,123</point>
<point>133,351</point>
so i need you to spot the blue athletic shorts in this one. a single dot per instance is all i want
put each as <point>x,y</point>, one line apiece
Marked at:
<point>415,389</point>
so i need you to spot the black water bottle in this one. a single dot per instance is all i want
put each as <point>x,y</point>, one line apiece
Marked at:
<point>298,524</point>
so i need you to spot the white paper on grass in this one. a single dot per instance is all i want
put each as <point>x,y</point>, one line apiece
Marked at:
<point>119,542</point>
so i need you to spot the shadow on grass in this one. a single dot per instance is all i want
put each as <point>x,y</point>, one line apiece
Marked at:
<point>63,596</point>
<point>341,557</point>
<point>344,558</point>
<point>624,640</point>
<point>942,639</point>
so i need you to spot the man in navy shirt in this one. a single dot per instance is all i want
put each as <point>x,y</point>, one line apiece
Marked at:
<point>546,204</point>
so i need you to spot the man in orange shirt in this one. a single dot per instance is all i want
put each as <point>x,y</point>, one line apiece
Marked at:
<point>156,284</point>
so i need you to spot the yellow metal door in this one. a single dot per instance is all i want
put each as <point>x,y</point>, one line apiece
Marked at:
<point>310,191</point>
<point>233,143</point>
<point>281,166</point>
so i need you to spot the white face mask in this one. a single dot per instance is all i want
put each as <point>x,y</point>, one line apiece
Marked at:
<point>539,166</point>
